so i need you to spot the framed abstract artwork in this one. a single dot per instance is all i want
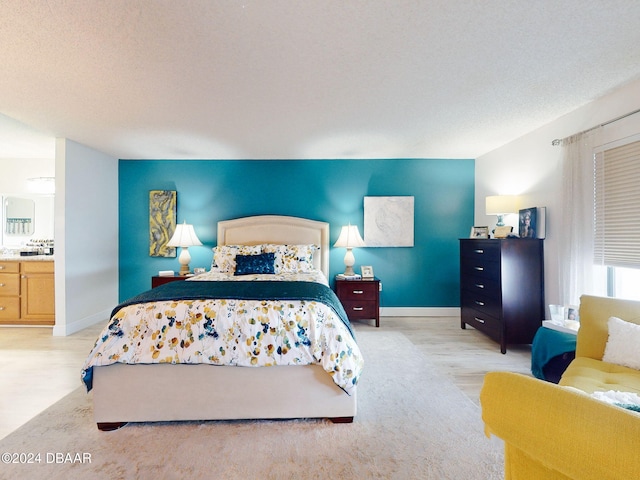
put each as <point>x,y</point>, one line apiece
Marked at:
<point>162,222</point>
<point>388,221</point>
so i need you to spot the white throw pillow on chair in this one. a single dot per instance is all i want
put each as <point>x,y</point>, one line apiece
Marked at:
<point>623,344</point>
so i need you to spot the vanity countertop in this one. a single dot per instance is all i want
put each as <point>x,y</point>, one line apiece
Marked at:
<point>28,258</point>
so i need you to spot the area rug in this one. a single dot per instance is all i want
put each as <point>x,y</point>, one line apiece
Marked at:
<point>412,423</point>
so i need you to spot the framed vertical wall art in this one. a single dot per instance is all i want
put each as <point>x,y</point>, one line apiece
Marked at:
<point>162,222</point>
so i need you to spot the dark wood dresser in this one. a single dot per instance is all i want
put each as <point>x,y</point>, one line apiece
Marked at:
<point>502,288</point>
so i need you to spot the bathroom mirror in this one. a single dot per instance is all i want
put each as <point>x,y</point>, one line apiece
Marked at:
<point>19,214</point>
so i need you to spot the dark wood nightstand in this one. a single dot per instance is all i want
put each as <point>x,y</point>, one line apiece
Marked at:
<point>158,280</point>
<point>360,298</point>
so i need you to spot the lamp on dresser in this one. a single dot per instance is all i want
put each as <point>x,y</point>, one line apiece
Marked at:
<point>184,237</point>
<point>349,238</point>
<point>501,205</point>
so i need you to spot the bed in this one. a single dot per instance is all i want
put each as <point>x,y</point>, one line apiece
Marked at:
<point>315,384</point>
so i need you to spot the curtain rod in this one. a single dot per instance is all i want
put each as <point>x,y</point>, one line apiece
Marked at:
<point>558,141</point>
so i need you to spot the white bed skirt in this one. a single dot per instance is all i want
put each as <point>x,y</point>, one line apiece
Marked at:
<point>165,392</point>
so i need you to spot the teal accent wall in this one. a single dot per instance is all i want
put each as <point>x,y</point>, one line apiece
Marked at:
<point>426,275</point>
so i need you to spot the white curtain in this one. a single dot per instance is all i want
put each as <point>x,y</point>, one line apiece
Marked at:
<point>577,272</point>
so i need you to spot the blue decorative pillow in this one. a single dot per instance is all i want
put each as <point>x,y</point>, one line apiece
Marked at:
<point>248,264</point>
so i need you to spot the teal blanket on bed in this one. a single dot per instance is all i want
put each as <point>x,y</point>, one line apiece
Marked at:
<point>243,290</point>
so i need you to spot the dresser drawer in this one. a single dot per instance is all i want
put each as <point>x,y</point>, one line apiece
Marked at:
<point>479,285</point>
<point>360,309</point>
<point>487,305</point>
<point>480,250</point>
<point>482,321</point>
<point>480,267</point>
<point>9,267</point>
<point>359,291</point>
<point>9,307</point>
<point>9,285</point>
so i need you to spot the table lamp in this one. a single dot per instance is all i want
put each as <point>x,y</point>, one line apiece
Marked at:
<point>349,238</point>
<point>184,237</point>
<point>501,205</point>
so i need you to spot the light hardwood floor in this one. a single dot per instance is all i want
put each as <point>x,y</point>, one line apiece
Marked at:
<point>37,369</point>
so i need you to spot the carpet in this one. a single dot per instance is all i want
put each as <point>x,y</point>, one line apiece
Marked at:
<point>412,423</point>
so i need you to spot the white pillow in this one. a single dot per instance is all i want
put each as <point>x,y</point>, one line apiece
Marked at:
<point>291,258</point>
<point>224,256</point>
<point>623,345</point>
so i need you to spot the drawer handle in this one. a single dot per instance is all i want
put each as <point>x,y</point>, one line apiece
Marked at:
<point>1,267</point>
<point>480,251</point>
<point>358,292</point>
<point>480,269</point>
<point>479,285</point>
<point>478,302</point>
<point>1,308</point>
<point>358,309</point>
<point>2,284</point>
<point>479,320</point>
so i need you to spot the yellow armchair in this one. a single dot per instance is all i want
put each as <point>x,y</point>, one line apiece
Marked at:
<point>554,432</point>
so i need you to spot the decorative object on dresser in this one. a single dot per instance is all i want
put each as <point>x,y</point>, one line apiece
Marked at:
<point>479,232</point>
<point>360,298</point>
<point>528,223</point>
<point>502,288</point>
<point>532,222</point>
<point>349,238</point>
<point>184,237</point>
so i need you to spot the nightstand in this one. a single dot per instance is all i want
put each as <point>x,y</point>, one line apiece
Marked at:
<point>158,280</point>
<point>360,298</point>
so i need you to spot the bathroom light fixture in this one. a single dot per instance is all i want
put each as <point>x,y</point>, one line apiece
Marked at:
<point>44,185</point>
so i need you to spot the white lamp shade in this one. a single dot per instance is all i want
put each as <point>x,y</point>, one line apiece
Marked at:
<point>501,204</point>
<point>184,236</point>
<point>349,237</point>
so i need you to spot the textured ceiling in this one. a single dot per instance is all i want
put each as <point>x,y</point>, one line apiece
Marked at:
<point>281,79</point>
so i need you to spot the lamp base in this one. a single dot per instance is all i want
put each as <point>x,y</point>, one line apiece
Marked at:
<point>184,259</point>
<point>348,271</point>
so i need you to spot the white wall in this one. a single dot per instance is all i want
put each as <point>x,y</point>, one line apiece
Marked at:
<point>86,224</point>
<point>531,167</point>
<point>16,172</point>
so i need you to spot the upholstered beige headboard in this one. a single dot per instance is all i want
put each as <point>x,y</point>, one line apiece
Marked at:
<point>278,229</point>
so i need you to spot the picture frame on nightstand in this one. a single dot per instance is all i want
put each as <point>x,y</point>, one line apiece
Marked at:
<point>367,272</point>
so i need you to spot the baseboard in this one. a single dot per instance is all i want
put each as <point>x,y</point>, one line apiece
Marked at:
<point>420,311</point>
<point>73,327</point>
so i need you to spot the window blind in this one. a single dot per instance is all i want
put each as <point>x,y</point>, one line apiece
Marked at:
<point>617,206</point>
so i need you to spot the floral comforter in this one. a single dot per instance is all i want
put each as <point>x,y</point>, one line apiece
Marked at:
<point>236,332</point>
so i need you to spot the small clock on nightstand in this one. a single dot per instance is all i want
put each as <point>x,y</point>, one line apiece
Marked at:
<point>360,298</point>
